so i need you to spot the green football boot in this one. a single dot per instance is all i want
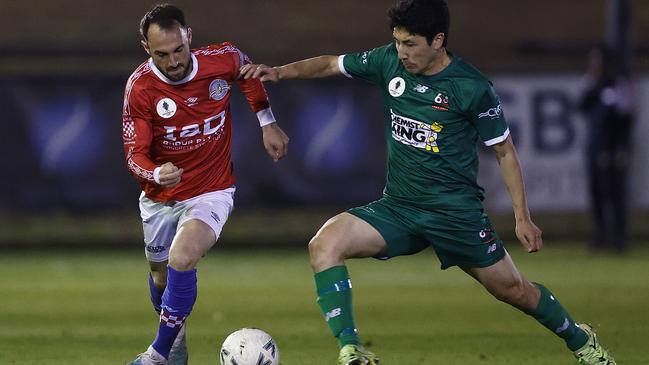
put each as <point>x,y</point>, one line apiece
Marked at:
<point>593,353</point>
<point>357,355</point>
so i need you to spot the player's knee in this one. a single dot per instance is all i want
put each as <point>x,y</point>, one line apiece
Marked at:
<point>317,247</point>
<point>323,249</point>
<point>183,260</point>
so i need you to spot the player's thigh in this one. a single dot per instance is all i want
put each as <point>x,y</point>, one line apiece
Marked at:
<point>200,225</point>
<point>347,236</point>
<point>193,239</point>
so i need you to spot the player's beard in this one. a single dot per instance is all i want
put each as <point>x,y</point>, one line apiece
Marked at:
<point>177,76</point>
<point>179,72</point>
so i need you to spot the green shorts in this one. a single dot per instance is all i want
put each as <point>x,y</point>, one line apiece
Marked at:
<point>459,238</point>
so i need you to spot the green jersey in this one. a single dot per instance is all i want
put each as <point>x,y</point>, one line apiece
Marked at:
<point>432,124</point>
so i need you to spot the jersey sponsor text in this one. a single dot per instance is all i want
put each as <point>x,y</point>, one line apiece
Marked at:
<point>415,133</point>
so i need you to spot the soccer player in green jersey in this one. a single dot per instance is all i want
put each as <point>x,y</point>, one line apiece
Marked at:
<point>436,108</point>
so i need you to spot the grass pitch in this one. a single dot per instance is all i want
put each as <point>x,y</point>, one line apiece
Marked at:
<point>92,308</point>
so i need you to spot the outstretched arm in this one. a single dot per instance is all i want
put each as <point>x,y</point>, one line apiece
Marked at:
<point>312,68</point>
<point>510,168</point>
<point>275,140</point>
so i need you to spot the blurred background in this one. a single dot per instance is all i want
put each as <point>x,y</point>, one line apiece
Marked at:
<point>64,64</point>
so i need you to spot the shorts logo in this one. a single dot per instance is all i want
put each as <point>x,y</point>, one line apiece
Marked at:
<point>491,248</point>
<point>166,108</point>
<point>487,235</point>
<point>397,86</point>
<point>415,133</point>
<point>155,249</point>
<point>493,113</point>
<point>218,89</point>
<point>368,209</point>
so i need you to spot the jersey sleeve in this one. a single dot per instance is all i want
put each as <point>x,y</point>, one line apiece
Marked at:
<point>366,65</point>
<point>254,91</point>
<point>137,134</point>
<point>487,115</point>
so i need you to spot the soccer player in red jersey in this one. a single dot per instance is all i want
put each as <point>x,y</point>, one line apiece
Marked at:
<point>177,140</point>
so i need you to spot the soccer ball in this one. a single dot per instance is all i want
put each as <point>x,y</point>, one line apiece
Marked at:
<point>249,346</point>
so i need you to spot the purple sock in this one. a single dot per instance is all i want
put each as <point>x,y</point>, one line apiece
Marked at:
<point>156,295</point>
<point>177,302</point>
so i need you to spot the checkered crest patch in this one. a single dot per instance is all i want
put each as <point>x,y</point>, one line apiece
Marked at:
<point>171,320</point>
<point>128,129</point>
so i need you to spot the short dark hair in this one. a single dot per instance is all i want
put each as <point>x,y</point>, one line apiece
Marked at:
<point>423,17</point>
<point>165,15</point>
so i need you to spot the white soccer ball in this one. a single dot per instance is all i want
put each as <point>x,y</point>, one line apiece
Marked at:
<point>249,346</point>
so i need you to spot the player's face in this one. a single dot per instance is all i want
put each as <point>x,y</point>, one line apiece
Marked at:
<point>417,56</point>
<point>169,49</point>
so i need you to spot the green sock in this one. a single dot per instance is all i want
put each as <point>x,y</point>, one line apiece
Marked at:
<point>551,314</point>
<point>335,300</point>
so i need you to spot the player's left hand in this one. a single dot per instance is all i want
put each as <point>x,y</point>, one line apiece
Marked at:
<point>529,235</point>
<point>275,141</point>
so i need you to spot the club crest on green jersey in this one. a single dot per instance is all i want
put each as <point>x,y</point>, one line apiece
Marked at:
<point>415,133</point>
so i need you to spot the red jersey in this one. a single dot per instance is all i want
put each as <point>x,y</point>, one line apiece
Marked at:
<point>186,122</point>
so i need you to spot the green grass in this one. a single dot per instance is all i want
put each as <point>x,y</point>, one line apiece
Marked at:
<point>92,307</point>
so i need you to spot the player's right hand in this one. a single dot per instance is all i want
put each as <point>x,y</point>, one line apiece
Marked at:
<point>262,72</point>
<point>169,175</point>
<point>529,235</point>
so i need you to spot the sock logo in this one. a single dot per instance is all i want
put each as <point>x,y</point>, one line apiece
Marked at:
<point>332,314</point>
<point>563,327</point>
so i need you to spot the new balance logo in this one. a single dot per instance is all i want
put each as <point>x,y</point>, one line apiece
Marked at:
<point>491,248</point>
<point>332,314</point>
<point>563,327</point>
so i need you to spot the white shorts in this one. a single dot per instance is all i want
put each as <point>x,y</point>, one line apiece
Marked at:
<point>161,221</point>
